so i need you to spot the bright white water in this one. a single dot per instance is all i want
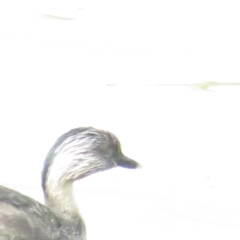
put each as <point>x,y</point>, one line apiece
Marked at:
<point>187,139</point>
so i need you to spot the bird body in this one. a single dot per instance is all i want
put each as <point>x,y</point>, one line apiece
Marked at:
<point>76,154</point>
<point>23,218</point>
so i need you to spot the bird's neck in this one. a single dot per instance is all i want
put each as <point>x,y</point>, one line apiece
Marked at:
<point>60,199</point>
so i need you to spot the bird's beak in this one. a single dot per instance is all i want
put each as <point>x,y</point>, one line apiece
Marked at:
<point>126,162</point>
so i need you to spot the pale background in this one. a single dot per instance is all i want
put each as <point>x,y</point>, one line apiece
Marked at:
<point>162,75</point>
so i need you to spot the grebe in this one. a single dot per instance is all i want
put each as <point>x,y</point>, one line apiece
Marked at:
<point>76,154</point>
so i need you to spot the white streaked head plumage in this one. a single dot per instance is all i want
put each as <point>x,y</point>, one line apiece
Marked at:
<point>81,152</point>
